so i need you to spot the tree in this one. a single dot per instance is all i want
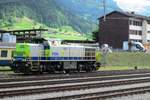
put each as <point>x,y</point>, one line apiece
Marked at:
<point>95,35</point>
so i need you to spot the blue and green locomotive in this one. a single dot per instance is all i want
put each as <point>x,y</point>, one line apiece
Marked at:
<point>51,56</point>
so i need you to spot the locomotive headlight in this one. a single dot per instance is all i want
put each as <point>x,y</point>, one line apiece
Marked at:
<point>12,59</point>
<point>24,59</point>
<point>95,65</point>
<point>27,59</point>
<point>26,64</point>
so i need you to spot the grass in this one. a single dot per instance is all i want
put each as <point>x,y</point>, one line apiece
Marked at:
<point>66,36</point>
<point>103,68</point>
<point>115,68</point>
<point>24,23</point>
<point>64,32</point>
<point>67,30</point>
<point>126,61</point>
<point>6,68</point>
<point>129,59</point>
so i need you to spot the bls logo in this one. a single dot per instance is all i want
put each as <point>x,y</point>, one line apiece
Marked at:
<point>55,54</point>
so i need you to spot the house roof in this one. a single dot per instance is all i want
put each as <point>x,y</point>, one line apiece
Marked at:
<point>128,14</point>
<point>2,31</point>
<point>27,30</point>
<point>7,45</point>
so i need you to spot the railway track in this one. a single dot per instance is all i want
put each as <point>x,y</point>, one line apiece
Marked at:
<point>69,87</point>
<point>105,94</point>
<point>77,85</point>
<point>50,81</point>
<point>21,77</point>
<point>58,84</point>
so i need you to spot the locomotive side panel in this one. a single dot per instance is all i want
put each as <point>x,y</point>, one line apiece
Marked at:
<point>76,53</point>
<point>36,51</point>
<point>59,53</point>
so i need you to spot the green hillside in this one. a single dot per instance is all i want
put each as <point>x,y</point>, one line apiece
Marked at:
<point>47,12</point>
<point>61,22</point>
<point>22,23</point>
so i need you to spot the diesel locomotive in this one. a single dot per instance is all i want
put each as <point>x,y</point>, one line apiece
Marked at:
<point>51,56</point>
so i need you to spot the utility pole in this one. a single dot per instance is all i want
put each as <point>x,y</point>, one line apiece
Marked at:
<point>104,7</point>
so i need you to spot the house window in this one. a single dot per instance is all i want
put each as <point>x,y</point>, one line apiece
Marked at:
<point>140,23</point>
<point>148,22</point>
<point>140,32</point>
<point>130,22</point>
<point>4,53</point>
<point>134,22</point>
<point>135,32</point>
<point>140,41</point>
<point>148,40</point>
<point>137,23</point>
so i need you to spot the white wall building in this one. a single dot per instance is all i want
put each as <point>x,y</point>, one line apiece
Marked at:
<point>139,29</point>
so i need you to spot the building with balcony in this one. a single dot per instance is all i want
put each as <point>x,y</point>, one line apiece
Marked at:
<point>120,27</point>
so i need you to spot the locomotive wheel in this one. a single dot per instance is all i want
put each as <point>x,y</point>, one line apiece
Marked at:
<point>67,70</point>
<point>41,69</point>
<point>27,71</point>
<point>88,68</point>
<point>51,71</point>
<point>79,68</point>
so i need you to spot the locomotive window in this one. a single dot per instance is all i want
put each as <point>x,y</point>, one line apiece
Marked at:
<point>46,45</point>
<point>4,53</point>
<point>89,52</point>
